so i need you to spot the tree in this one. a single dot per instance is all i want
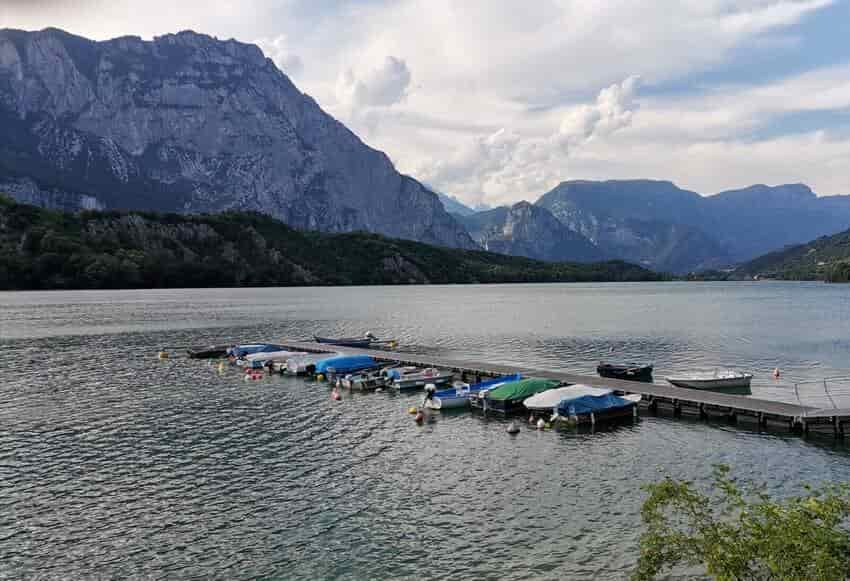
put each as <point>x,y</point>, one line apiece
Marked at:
<point>745,535</point>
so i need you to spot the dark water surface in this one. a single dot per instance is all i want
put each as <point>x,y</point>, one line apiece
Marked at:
<point>116,465</point>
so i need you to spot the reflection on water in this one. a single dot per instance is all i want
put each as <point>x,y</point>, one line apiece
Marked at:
<point>115,464</point>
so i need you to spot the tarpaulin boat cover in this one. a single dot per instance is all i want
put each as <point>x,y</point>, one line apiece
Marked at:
<point>550,399</point>
<point>482,385</point>
<point>591,404</point>
<point>345,363</point>
<point>243,350</point>
<point>522,389</point>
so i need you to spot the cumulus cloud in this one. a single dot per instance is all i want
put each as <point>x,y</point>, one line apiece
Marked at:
<point>505,166</point>
<point>279,51</point>
<point>612,111</point>
<point>383,84</point>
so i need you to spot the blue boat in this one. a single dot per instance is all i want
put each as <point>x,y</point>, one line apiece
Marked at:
<point>345,364</point>
<point>595,408</point>
<point>458,397</point>
<point>240,351</point>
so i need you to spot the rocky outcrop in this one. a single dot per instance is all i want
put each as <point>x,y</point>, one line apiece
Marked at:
<point>190,123</point>
<point>532,231</point>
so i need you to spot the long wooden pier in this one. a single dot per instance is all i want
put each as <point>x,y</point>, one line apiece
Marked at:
<point>663,399</point>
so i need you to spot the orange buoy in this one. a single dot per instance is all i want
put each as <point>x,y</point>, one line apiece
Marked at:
<point>335,395</point>
<point>419,417</point>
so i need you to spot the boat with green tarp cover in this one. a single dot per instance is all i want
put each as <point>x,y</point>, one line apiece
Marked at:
<point>508,398</point>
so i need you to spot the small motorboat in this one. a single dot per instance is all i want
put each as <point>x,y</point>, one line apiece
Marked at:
<point>364,342</point>
<point>364,381</point>
<point>592,409</point>
<point>627,371</point>
<point>549,400</point>
<point>458,395</point>
<point>423,377</point>
<point>508,398</point>
<point>713,379</point>
<point>211,352</point>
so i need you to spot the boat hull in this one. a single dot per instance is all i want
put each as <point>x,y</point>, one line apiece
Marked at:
<point>626,372</point>
<point>212,352</point>
<point>448,403</point>
<point>715,383</point>
<point>418,382</point>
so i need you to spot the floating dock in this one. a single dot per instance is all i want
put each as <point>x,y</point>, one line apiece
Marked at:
<point>661,399</point>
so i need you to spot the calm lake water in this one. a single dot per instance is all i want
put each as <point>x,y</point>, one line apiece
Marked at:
<point>116,465</point>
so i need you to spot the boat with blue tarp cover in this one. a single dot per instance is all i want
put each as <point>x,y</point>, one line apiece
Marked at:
<point>240,351</point>
<point>343,364</point>
<point>458,396</point>
<point>596,408</point>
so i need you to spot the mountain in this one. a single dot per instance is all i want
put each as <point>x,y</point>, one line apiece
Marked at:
<point>49,249</point>
<point>652,223</point>
<point>528,230</point>
<point>189,123</point>
<point>667,228</point>
<point>454,206</point>
<point>826,258</point>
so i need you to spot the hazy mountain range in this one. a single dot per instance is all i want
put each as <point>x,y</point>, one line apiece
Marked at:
<point>188,123</point>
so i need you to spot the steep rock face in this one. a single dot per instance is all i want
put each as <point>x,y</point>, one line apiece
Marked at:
<point>189,123</point>
<point>531,231</point>
<point>662,226</point>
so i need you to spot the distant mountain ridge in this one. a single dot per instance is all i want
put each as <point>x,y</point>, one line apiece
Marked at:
<point>190,123</point>
<point>659,225</point>
<point>528,230</point>
<point>826,258</point>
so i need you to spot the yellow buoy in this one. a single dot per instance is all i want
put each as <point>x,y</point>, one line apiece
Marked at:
<point>162,355</point>
<point>221,367</point>
<point>412,410</point>
<point>320,377</point>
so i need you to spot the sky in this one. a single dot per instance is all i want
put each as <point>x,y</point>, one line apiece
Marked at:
<point>496,101</point>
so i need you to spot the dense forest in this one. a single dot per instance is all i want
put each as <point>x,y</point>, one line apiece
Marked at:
<point>45,249</point>
<point>826,258</point>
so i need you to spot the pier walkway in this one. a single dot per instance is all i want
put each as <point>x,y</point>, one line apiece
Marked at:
<point>663,399</point>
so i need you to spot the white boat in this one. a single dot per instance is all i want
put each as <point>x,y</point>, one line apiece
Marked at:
<point>549,399</point>
<point>712,379</point>
<point>363,381</point>
<point>423,377</point>
<point>458,395</point>
<point>304,364</point>
<point>272,356</point>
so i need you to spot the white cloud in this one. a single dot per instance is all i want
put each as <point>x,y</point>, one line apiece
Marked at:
<point>278,49</point>
<point>380,85</point>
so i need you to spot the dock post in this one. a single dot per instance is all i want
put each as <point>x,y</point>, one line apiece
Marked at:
<point>702,414</point>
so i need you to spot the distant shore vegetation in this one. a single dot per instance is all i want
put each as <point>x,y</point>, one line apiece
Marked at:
<point>46,249</point>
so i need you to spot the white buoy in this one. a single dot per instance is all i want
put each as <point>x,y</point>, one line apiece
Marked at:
<point>776,373</point>
<point>513,428</point>
<point>541,423</point>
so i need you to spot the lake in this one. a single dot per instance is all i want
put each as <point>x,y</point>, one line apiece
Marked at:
<point>115,464</point>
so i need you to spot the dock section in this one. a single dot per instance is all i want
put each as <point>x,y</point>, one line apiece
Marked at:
<point>662,399</point>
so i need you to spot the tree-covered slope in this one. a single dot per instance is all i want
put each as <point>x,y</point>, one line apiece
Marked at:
<point>45,249</point>
<point>826,258</point>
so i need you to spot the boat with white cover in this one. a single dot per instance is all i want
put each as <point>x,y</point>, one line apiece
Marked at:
<point>712,379</point>
<point>549,400</point>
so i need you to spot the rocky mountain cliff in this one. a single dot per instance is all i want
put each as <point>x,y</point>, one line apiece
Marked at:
<point>528,230</point>
<point>659,225</point>
<point>189,123</point>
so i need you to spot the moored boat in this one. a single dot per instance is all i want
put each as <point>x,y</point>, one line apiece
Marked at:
<point>240,351</point>
<point>423,377</point>
<point>344,364</point>
<point>592,409</point>
<point>508,398</point>
<point>364,380</point>
<point>211,352</point>
<point>458,395</point>
<point>261,359</point>
<point>302,365</point>
<point>548,400</point>
<point>712,379</point>
<point>364,342</point>
<point>627,371</point>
